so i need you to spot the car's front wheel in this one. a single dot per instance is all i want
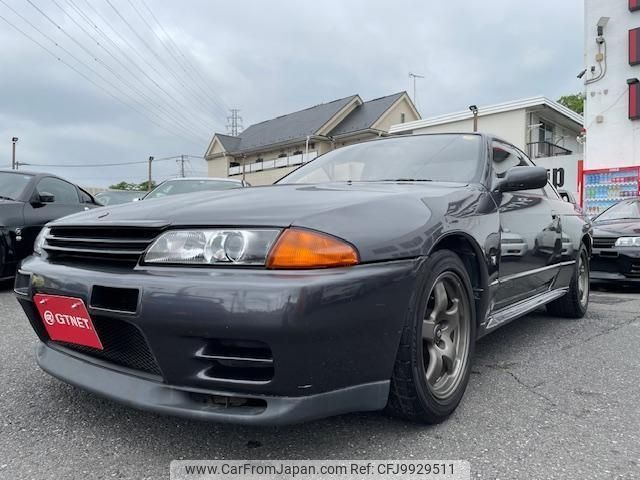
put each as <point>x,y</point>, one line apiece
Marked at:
<point>434,357</point>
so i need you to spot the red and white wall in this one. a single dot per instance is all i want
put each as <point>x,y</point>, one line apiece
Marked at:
<point>612,107</point>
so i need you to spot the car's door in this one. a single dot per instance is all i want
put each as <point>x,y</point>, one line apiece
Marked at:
<point>37,213</point>
<point>531,233</point>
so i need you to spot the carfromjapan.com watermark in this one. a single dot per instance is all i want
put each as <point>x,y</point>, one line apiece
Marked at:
<point>320,469</point>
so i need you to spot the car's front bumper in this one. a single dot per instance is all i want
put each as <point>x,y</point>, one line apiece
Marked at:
<point>332,337</point>
<point>616,264</point>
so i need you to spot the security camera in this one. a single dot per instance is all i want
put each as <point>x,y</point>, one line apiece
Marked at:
<point>473,108</point>
<point>582,73</point>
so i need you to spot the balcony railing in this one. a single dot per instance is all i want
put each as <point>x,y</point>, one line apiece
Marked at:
<point>290,161</point>
<point>546,149</point>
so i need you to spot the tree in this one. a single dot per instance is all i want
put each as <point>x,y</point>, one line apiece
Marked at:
<point>574,101</point>
<point>132,186</point>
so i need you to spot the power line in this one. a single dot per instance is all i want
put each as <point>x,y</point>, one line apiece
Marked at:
<point>86,77</point>
<point>156,56</point>
<point>193,66</point>
<point>187,131</point>
<point>189,77</point>
<point>101,87</point>
<point>133,49</point>
<point>172,114</point>
<point>77,165</point>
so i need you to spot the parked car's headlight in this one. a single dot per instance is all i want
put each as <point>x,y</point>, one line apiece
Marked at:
<point>628,242</point>
<point>40,239</point>
<point>212,247</point>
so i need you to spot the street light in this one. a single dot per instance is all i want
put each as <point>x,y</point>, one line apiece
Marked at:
<point>474,110</point>
<point>14,140</point>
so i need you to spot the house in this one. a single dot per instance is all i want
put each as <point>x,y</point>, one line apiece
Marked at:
<point>546,130</point>
<point>538,126</point>
<point>266,151</point>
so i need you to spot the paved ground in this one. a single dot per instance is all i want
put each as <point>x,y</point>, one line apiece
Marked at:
<point>548,398</point>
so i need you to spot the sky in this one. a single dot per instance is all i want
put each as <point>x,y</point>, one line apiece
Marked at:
<point>116,81</point>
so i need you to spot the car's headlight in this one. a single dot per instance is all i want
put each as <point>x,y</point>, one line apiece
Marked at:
<point>40,239</point>
<point>212,247</point>
<point>628,242</point>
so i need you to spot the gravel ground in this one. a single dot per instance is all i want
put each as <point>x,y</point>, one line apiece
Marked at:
<point>548,398</point>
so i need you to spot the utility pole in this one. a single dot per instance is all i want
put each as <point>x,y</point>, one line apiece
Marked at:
<point>414,76</point>
<point>14,140</point>
<point>149,181</point>
<point>181,165</point>
<point>234,122</point>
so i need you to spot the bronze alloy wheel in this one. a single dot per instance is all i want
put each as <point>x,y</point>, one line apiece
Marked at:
<point>445,335</point>
<point>583,278</point>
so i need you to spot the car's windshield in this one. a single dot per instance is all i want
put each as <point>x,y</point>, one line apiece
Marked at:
<point>175,187</point>
<point>626,209</point>
<point>12,185</point>
<point>115,198</point>
<point>452,158</point>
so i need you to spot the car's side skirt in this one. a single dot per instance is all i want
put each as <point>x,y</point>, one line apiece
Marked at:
<point>523,307</point>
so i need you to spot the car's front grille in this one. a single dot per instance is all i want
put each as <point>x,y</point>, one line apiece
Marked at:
<point>120,245</point>
<point>123,344</point>
<point>604,242</point>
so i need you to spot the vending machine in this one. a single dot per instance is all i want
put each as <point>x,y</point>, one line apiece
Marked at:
<point>602,188</point>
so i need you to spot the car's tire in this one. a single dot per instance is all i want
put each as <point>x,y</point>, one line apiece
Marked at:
<point>575,303</point>
<point>433,362</point>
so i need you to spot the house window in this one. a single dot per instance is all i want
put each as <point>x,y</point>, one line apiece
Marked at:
<point>298,152</point>
<point>402,117</point>
<point>545,132</point>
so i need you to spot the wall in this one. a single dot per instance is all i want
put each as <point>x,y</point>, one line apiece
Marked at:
<point>616,141</point>
<point>393,116</point>
<point>563,171</point>
<point>266,177</point>
<point>509,126</point>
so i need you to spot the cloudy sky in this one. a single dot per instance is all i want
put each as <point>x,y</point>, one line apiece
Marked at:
<point>114,81</point>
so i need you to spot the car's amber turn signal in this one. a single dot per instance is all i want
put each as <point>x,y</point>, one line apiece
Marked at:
<point>298,248</point>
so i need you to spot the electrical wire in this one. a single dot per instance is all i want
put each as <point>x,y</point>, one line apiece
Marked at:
<point>184,123</point>
<point>155,55</point>
<point>131,48</point>
<point>193,67</point>
<point>185,130</point>
<point>86,77</point>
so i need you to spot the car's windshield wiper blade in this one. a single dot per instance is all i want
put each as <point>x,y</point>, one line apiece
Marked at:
<point>405,180</point>
<point>5,198</point>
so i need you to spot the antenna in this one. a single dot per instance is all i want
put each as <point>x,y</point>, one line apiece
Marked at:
<point>414,76</point>
<point>234,125</point>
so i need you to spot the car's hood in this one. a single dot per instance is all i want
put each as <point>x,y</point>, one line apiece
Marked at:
<point>383,220</point>
<point>275,205</point>
<point>616,228</point>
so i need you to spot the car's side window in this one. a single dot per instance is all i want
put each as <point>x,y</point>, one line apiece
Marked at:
<point>62,191</point>
<point>85,197</point>
<point>505,156</point>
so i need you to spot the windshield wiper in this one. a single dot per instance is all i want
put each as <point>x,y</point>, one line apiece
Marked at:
<point>404,180</point>
<point>6,198</point>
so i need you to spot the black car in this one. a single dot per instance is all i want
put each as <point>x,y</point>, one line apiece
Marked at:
<point>360,281</point>
<point>27,202</point>
<point>616,243</point>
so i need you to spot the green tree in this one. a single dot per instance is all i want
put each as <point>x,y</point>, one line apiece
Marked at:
<point>574,101</point>
<point>144,186</point>
<point>132,186</point>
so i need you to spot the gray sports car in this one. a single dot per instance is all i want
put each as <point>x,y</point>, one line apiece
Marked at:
<point>361,281</point>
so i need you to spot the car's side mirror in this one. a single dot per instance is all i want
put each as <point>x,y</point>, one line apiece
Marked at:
<point>523,178</point>
<point>46,197</point>
<point>42,198</point>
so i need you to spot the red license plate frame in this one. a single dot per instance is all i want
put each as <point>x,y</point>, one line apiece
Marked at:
<point>66,319</point>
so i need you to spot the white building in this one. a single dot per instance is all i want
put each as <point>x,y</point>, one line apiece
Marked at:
<point>613,139</point>
<point>546,130</point>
